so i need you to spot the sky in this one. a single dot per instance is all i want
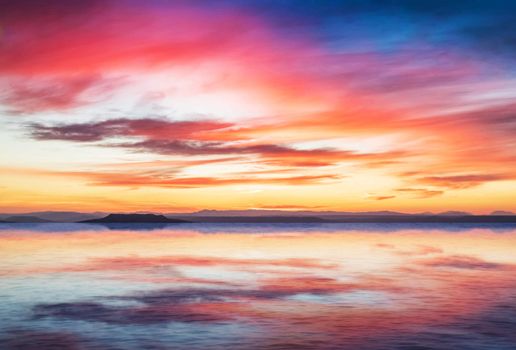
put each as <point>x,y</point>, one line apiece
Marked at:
<point>177,106</point>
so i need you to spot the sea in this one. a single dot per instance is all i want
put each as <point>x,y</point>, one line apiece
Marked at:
<point>258,286</point>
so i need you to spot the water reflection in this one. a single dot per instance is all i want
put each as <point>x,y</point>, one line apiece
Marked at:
<point>257,287</point>
<point>257,228</point>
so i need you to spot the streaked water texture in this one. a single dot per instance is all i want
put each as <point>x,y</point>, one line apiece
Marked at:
<point>257,287</point>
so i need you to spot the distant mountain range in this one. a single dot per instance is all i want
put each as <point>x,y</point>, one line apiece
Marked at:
<point>57,216</point>
<point>403,218</point>
<point>502,212</point>
<point>25,218</point>
<point>277,212</point>
<point>256,216</point>
<point>320,214</point>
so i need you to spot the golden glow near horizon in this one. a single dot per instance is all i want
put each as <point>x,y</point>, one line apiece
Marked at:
<point>227,111</point>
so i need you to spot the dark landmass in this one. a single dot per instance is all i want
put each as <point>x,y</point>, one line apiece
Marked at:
<point>278,212</point>
<point>431,219</point>
<point>311,213</point>
<point>263,216</point>
<point>502,212</point>
<point>453,213</point>
<point>58,216</point>
<point>255,219</point>
<point>134,218</point>
<point>25,219</point>
<point>67,216</point>
<point>402,218</point>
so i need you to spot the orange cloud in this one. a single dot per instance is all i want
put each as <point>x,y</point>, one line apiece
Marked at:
<point>462,181</point>
<point>381,198</point>
<point>420,192</point>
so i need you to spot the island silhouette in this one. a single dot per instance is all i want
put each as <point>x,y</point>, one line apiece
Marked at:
<point>136,218</point>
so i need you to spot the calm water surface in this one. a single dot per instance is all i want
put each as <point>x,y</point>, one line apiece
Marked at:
<point>216,286</point>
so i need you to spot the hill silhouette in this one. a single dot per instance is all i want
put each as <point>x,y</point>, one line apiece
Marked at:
<point>502,212</point>
<point>25,219</point>
<point>135,218</point>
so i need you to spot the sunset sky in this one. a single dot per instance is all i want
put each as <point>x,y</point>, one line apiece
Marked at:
<point>176,106</point>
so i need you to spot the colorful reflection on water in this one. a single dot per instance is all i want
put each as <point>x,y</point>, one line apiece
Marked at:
<point>257,287</point>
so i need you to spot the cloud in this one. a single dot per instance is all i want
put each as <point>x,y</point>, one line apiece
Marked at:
<point>461,181</point>
<point>289,207</point>
<point>25,96</point>
<point>58,39</point>
<point>270,153</point>
<point>155,129</point>
<point>421,250</point>
<point>168,164</point>
<point>420,192</point>
<point>120,179</point>
<point>385,245</point>
<point>381,198</point>
<point>171,178</point>
<point>195,138</point>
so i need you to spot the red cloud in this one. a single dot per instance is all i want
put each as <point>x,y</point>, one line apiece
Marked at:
<point>104,36</point>
<point>37,95</point>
